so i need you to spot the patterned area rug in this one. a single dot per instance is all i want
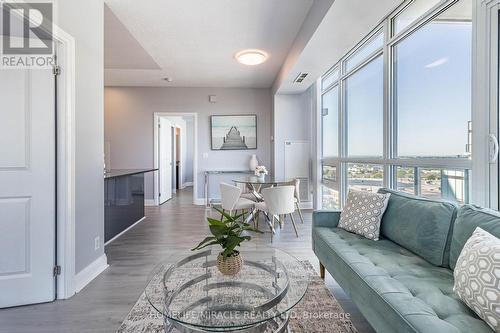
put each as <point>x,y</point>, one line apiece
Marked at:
<point>318,312</point>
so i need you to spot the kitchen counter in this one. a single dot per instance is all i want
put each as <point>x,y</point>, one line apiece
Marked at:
<point>123,200</point>
<point>125,172</point>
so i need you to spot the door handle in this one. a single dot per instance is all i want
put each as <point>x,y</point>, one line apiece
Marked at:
<point>493,153</point>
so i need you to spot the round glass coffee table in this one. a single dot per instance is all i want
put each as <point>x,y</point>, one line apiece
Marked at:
<point>193,296</point>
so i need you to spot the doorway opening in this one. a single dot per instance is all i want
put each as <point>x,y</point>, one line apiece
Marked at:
<point>174,154</point>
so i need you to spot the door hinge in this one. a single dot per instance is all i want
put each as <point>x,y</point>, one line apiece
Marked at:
<point>159,194</point>
<point>56,70</point>
<point>57,270</point>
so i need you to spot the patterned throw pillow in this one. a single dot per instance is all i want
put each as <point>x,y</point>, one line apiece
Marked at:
<point>363,212</point>
<point>477,276</point>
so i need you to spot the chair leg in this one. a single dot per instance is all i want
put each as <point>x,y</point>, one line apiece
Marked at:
<point>300,212</point>
<point>294,226</point>
<point>222,215</point>
<point>321,271</point>
<point>271,224</point>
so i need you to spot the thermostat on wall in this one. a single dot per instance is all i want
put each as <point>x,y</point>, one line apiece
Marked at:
<point>212,98</point>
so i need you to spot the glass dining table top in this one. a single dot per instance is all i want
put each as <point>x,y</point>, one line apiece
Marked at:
<point>192,292</point>
<point>267,180</point>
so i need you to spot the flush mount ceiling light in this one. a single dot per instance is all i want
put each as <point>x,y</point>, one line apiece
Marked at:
<point>251,57</point>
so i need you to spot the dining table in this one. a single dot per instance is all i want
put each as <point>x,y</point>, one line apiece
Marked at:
<point>254,184</point>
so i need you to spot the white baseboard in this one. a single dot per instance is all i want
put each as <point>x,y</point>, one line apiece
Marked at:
<point>187,184</point>
<point>124,231</point>
<point>306,205</point>
<point>199,202</point>
<point>90,272</point>
<point>149,202</point>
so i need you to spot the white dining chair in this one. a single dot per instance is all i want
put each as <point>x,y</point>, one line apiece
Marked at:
<point>296,195</point>
<point>278,201</point>
<point>231,200</point>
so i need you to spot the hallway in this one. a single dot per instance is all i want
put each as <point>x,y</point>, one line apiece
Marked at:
<point>169,231</point>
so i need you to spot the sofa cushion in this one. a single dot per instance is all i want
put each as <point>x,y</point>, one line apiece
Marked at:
<point>396,290</point>
<point>468,219</point>
<point>420,225</point>
<point>363,212</point>
<point>477,276</point>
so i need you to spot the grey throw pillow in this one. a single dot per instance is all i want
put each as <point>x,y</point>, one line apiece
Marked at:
<point>477,276</point>
<point>363,212</point>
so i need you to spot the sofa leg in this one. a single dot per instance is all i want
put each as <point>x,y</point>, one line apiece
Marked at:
<point>321,271</point>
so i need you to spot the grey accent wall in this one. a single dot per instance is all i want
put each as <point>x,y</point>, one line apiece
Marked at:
<point>84,21</point>
<point>313,19</point>
<point>129,125</point>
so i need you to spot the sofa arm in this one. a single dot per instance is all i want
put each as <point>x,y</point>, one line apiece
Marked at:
<point>326,218</point>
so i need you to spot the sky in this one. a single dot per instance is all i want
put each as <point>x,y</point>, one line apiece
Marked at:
<point>433,103</point>
<point>228,121</point>
<point>434,72</point>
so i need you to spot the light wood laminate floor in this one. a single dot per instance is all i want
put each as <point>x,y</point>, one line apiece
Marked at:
<point>168,232</point>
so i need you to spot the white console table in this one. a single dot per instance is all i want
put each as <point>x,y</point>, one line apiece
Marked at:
<point>209,173</point>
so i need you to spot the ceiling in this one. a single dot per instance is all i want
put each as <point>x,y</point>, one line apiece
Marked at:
<point>194,41</point>
<point>346,23</point>
<point>121,49</point>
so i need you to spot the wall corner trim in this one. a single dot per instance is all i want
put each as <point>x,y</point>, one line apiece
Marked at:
<point>89,273</point>
<point>187,184</point>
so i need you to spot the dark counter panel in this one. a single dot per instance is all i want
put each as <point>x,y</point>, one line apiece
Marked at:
<point>123,203</point>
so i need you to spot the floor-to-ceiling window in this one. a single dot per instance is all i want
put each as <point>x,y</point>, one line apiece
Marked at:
<point>396,111</point>
<point>330,103</point>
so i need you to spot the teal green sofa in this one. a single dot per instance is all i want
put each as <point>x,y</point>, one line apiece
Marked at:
<point>404,281</point>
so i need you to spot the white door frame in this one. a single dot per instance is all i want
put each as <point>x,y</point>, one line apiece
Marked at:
<point>65,227</point>
<point>156,117</point>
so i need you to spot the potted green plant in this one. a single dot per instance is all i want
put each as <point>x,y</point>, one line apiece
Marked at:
<point>228,233</point>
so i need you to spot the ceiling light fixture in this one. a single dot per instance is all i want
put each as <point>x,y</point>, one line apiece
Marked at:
<point>251,57</point>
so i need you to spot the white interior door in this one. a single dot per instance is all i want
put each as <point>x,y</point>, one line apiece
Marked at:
<point>165,159</point>
<point>27,187</point>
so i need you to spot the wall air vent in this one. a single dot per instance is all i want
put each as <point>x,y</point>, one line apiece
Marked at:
<point>300,77</point>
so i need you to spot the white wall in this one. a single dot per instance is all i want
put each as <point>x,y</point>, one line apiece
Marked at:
<point>188,170</point>
<point>292,121</point>
<point>129,125</point>
<point>84,21</point>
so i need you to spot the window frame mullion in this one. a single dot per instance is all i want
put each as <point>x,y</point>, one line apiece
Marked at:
<point>390,159</point>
